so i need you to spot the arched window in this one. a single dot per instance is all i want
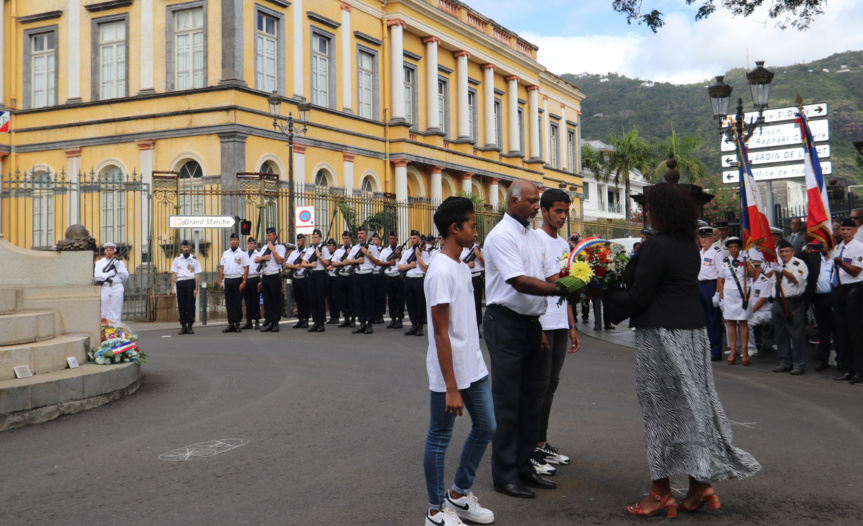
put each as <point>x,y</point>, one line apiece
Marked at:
<point>268,168</point>
<point>321,179</point>
<point>191,192</point>
<point>367,187</point>
<point>113,205</point>
<point>43,210</point>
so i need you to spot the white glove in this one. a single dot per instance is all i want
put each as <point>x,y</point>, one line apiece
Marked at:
<point>721,303</point>
<point>716,300</point>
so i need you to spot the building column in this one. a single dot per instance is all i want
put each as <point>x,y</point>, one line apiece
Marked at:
<point>349,172</point>
<point>512,103</point>
<point>73,172</point>
<point>233,157</point>
<point>397,67</point>
<point>436,185</point>
<point>533,92</point>
<point>73,55</point>
<point>232,43</point>
<point>2,154</point>
<point>466,180</point>
<point>299,50</point>
<point>563,138</point>
<point>463,108</point>
<point>147,162</point>
<point>401,169</point>
<point>546,125</point>
<point>431,86</point>
<point>493,191</point>
<point>488,95</point>
<point>148,85</point>
<point>347,58</point>
<point>299,165</point>
<point>2,67</point>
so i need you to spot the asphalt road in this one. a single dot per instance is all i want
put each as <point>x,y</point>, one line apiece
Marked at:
<point>330,430</point>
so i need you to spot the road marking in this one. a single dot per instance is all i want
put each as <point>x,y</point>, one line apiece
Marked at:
<point>203,449</point>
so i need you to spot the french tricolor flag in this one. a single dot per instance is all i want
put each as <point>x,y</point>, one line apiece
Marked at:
<point>756,227</point>
<point>818,210</point>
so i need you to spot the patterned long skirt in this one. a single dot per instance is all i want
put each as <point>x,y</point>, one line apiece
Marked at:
<point>685,429</point>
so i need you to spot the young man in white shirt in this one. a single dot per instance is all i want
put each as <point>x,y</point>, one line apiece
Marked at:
<point>559,335</point>
<point>458,377</point>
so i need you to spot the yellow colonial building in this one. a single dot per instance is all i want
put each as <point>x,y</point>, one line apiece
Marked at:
<point>411,101</point>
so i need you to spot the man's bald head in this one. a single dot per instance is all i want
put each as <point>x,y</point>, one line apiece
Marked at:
<point>522,200</point>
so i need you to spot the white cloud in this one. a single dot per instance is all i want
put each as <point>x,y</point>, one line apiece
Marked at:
<point>685,51</point>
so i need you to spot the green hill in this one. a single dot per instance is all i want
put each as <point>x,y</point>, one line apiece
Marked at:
<point>615,104</point>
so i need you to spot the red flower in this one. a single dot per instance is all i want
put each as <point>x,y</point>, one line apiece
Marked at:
<point>563,273</point>
<point>599,271</point>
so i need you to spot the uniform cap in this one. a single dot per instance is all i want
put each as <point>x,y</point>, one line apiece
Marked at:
<point>701,223</point>
<point>646,232</point>
<point>361,229</point>
<point>271,230</point>
<point>250,240</point>
<point>783,244</point>
<point>848,222</point>
<point>234,236</point>
<point>185,243</point>
<point>705,231</point>
<point>316,231</point>
<point>721,224</point>
<point>109,245</point>
<point>416,233</point>
<point>733,241</point>
<point>393,233</point>
<point>346,233</point>
<point>301,236</point>
<point>331,241</point>
<point>375,235</point>
<point>775,230</point>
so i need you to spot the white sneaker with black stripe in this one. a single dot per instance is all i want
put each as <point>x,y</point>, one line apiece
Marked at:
<point>468,508</point>
<point>552,455</point>
<point>540,465</point>
<point>446,517</point>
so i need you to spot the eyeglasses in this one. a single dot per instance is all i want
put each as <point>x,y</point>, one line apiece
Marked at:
<point>855,218</point>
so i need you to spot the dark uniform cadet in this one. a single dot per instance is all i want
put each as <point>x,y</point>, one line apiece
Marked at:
<point>273,256</point>
<point>315,260</point>
<point>473,257</point>
<point>711,265</point>
<point>393,282</point>
<point>380,301</point>
<point>364,257</point>
<point>789,314</point>
<point>252,292</point>
<point>346,283</point>
<point>299,282</point>
<point>415,263</point>
<point>233,273</point>
<point>847,282</point>
<point>338,254</point>
<point>185,279</point>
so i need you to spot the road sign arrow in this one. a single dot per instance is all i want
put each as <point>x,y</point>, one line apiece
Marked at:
<point>819,109</point>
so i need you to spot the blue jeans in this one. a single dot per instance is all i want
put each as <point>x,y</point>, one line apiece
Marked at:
<point>478,402</point>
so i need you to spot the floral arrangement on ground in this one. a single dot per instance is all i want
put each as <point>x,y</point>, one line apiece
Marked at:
<point>119,345</point>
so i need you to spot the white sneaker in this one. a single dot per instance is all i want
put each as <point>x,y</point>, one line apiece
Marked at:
<point>446,517</point>
<point>552,455</point>
<point>541,467</point>
<point>468,508</point>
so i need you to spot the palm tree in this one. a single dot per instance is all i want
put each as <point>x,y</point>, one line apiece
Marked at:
<point>627,154</point>
<point>684,148</point>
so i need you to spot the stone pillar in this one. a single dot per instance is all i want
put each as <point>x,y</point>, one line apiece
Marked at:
<point>546,125</point>
<point>493,191</point>
<point>436,185</point>
<point>488,96</point>
<point>397,68</point>
<point>349,172</point>
<point>562,138</point>
<point>347,58</point>
<point>299,50</point>
<point>533,92</point>
<point>73,171</point>
<point>147,162</point>
<point>73,55</point>
<point>432,99</point>
<point>401,168</point>
<point>233,149</point>
<point>147,46</point>
<point>232,43</point>
<point>512,105</point>
<point>463,109</point>
<point>299,165</point>
<point>466,180</point>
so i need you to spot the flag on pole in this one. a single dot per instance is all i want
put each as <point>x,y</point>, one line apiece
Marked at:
<point>818,210</point>
<point>756,228</point>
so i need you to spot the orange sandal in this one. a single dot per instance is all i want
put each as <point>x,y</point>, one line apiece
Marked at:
<point>669,507</point>
<point>712,500</point>
<point>745,361</point>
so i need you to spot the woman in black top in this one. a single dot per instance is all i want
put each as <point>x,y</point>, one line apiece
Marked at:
<point>685,428</point>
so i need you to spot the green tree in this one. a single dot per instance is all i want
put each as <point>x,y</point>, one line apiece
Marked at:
<point>796,13</point>
<point>628,153</point>
<point>725,198</point>
<point>686,150</point>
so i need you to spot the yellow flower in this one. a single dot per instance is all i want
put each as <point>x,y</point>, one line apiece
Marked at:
<point>581,270</point>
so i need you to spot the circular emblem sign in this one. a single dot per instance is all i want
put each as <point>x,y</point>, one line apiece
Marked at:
<point>305,216</point>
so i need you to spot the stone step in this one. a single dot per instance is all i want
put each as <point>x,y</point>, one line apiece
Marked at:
<point>8,300</point>
<point>26,327</point>
<point>43,357</point>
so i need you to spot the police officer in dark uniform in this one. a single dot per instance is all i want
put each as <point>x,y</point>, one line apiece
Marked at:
<point>273,257</point>
<point>233,271</point>
<point>252,292</point>
<point>380,301</point>
<point>346,283</point>
<point>333,284</point>
<point>393,281</point>
<point>299,282</point>
<point>315,261</point>
<point>414,263</point>
<point>364,256</point>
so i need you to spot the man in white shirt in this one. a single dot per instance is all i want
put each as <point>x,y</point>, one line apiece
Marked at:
<point>847,283</point>
<point>379,285</point>
<point>364,256</point>
<point>315,261</point>
<point>271,282</point>
<point>344,281</point>
<point>789,316</point>
<point>233,272</point>
<point>519,275</point>
<point>110,273</point>
<point>458,378</point>
<point>393,282</point>
<point>299,282</point>
<point>252,292</point>
<point>185,280</point>
<point>708,273</point>
<point>559,334</point>
<point>414,263</point>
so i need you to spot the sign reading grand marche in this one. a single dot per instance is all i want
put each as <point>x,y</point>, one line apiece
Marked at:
<point>787,171</point>
<point>782,135</point>
<point>201,222</point>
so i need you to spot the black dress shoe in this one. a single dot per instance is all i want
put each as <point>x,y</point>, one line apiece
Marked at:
<point>856,379</point>
<point>183,331</point>
<point>391,324</point>
<point>781,369</point>
<point>398,325</point>
<point>190,330</point>
<point>237,328</point>
<point>333,321</point>
<point>313,328</point>
<point>821,366</point>
<point>795,372</point>
<point>378,320</point>
<point>266,328</point>
<point>298,325</point>
<point>321,328</point>
<point>274,327</point>
<point>266,325</point>
<point>536,481</point>
<point>597,328</point>
<point>360,329</point>
<point>609,327</point>
<point>515,490</point>
<point>411,331</point>
<point>257,324</point>
<point>420,330</point>
<point>246,326</point>
<point>345,323</point>
<point>369,329</point>
<point>844,377</point>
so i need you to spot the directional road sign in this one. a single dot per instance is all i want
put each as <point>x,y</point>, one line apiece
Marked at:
<point>813,111</point>
<point>788,171</point>
<point>775,156</point>
<point>787,135</point>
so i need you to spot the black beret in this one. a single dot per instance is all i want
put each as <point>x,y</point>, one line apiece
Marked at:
<point>393,233</point>
<point>316,231</point>
<point>186,243</point>
<point>331,241</point>
<point>783,244</point>
<point>250,240</point>
<point>346,233</point>
<point>375,234</point>
<point>416,233</point>
<point>234,235</point>
<point>271,230</point>
<point>361,229</point>
<point>301,236</point>
<point>848,222</point>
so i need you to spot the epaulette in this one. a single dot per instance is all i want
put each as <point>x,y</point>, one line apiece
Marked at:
<point>796,263</point>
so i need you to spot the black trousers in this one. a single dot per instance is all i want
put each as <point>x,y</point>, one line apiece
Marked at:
<point>380,295</point>
<point>317,283</point>
<point>551,363</point>
<point>585,309</point>
<point>234,299</point>
<point>822,304</point>
<point>301,296</point>
<point>186,301</point>
<point>790,337</point>
<point>513,342</point>
<point>346,291</point>
<point>271,288</point>
<point>849,332</point>
<point>333,290</point>
<point>415,297</point>
<point>478,283</point>
<point>364,296</point>
<point>253,298</point>
<point>395,286</point>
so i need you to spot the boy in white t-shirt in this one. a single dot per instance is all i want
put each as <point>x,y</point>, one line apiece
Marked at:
<point>458,377</point>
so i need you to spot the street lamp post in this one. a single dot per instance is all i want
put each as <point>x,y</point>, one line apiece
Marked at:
<point>290,130</point>
<point>720,95</point>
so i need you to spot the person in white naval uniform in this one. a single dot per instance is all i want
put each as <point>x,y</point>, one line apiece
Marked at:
<point>111,273</point>
<point>735,290</point>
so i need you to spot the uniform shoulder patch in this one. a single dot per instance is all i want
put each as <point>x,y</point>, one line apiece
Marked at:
<point>796,263</point>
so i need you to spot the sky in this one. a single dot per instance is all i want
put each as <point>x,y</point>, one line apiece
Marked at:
<point>588,36</point>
